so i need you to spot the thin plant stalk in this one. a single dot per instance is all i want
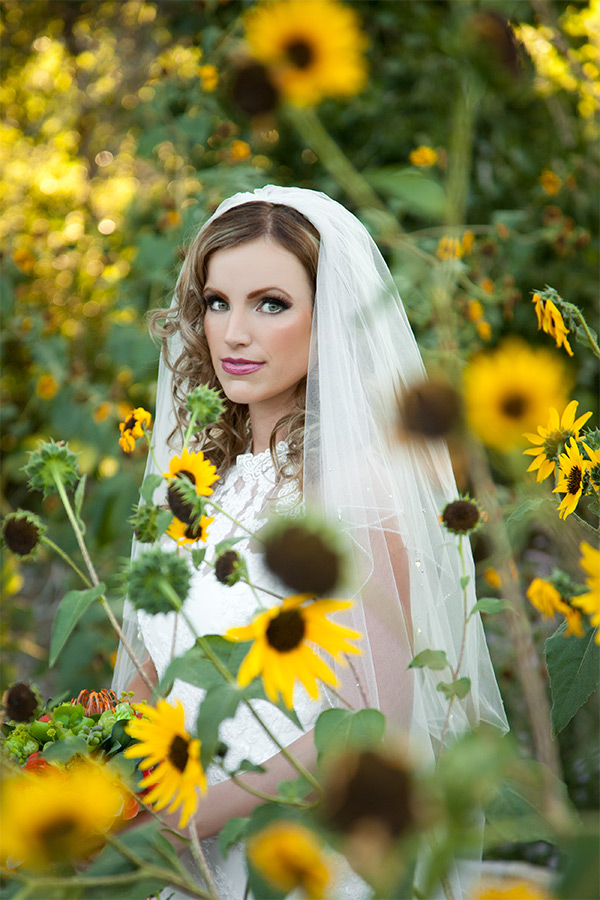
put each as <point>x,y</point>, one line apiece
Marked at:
<point>224,671</point>
<point>94,577</point>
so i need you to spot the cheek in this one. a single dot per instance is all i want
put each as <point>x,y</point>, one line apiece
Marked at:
<point>293,343</point>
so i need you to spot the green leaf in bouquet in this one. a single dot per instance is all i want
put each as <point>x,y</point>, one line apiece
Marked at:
<point>194,668</point>
<point>490,605</point>
<point>524,509</point>
<point>148,844</point>
<point>459,688</point>
<point>574,668</point>
<point>151,483</point>
<point>233,832</point>
<point>340,730</point>
<point>72,606</point>
<point>63,751</point>
<point>429,659</point>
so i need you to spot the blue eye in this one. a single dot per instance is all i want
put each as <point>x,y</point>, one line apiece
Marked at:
<point>272,305</point>
<point>216,304</point>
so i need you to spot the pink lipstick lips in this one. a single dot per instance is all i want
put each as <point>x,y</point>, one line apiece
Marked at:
<point>240,366</point>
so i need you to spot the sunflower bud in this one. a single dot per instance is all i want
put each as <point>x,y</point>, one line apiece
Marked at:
<point>252,90</point>
<point>150,576</point>
<point>149,522</point>
<point>304,554</point>
<point>50,463</point>
<point>429,409</point>
<point>21,702</point>
<point>370,788</point>
<point>22,531</point>
<point>205,405</point>
<point>230,568</point>
<point>462,516</point>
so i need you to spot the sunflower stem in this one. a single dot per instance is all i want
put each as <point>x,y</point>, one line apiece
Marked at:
<point>224,671</point>
<point>515,618</point>
<point>576,312</point>
<point>147,435</point>
<point>93,575</point>
<point>230,517</point>
<point>586,525</point>
<point>65,556</point>
<point>455,672</point>
<point>269,798</point>
<point>170,876</point>
<point>189,430</point>
<point>201,862</point>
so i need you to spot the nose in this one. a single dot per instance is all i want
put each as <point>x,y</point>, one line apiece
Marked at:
<point>237,332</point>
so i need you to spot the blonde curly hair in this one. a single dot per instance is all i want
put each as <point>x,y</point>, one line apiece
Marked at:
<point>231,435</point>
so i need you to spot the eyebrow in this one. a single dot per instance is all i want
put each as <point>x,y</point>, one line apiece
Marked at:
<point>252,294</point>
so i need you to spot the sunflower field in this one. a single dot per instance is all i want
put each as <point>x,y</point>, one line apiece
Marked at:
<point>464,135</point>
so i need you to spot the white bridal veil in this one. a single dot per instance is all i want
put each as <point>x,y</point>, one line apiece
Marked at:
<point>386,495</point>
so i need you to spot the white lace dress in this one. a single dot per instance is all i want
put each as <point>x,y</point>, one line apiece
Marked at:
<point>248,494</point>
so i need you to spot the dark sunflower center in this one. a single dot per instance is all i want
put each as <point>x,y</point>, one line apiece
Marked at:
<point>130,423</point>
<point>286,631</point>
<point>55,835</point>
<point>21,536</point>
<point>178,753</point>
<point>300,53</point>
<point>193,532</point>
<point>180,507</point>
<point>514,406</point>
<point>574,480</point>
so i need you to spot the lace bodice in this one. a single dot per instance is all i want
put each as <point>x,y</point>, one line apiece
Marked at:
<point>248,494</point>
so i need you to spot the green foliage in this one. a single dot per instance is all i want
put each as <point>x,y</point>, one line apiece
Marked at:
<point>72,607</point>
<point>339,730</point>
<point>574,670</point>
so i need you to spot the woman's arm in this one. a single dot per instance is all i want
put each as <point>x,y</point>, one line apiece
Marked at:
<point>140,690</point>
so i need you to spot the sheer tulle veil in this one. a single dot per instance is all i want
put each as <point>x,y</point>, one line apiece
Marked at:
<point>384,494</point>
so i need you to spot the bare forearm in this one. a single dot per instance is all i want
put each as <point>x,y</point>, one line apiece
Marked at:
<point>227,799</point>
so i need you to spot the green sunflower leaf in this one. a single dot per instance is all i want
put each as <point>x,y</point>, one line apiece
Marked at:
<point>339,730</point>
<point>429,659</point>
<point>574,668</point>
<point>490,605</point>
<point>459,688</point>
<point>225,545</point>
<point>151,483</point>
<point>233,832</point>
<point>198,557</point>
<point>72,606</point>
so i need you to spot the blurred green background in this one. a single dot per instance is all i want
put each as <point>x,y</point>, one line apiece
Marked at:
<point>126,123</point>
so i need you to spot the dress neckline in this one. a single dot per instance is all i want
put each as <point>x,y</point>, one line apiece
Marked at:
<point>254,463</point>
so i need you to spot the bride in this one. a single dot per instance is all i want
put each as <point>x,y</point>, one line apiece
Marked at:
<point>286,305</point>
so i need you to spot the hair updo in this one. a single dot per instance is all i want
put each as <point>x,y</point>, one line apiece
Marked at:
<point>231,435</point>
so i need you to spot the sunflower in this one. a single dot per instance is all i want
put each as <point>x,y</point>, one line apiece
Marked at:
<point>199,471</point>
<point>312,48</point>
<point>281,651</point>
<point>551,321</point>
<point>290,856</point>
<point>544,596</point>
<point>133,427</point>
<point>571,471</point>
<point>552,439</point>
<point>590,602</point>
<point>189,534</point>
<point>60,817</point>
<point>166,745</point>
<point>509,390</point>
<point>509,889</point>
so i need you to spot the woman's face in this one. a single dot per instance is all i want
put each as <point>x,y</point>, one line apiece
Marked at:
<point>259,304</point>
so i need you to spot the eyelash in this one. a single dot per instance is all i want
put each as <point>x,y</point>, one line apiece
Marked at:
<point>283,304</point>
